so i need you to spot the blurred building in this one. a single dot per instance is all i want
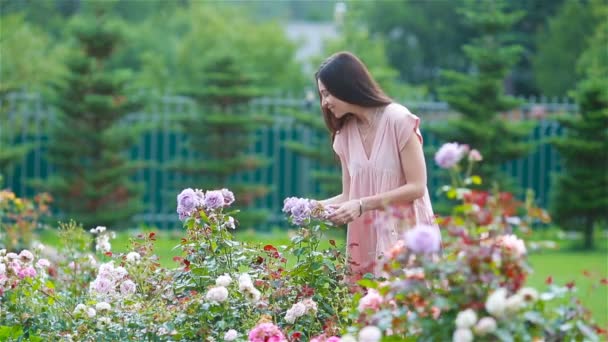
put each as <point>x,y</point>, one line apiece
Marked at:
<point>309,37</point>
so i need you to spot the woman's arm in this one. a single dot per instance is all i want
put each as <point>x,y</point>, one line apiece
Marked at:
<point>414,169</point>
<point>343,197</point>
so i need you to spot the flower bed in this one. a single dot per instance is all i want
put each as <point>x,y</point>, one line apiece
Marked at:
<point>470,287</point>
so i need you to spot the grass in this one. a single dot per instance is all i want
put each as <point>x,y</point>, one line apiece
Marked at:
<point>565,264</point>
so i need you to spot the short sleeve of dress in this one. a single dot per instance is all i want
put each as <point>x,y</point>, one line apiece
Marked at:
<point>407,124</point>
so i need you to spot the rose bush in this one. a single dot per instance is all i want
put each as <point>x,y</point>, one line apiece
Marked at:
<point>19,217</point>
<point>222,289</point>
<point>468,284</point>
<point>474,287</point>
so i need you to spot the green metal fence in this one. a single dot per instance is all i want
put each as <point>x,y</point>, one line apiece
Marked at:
<point>289,175</point>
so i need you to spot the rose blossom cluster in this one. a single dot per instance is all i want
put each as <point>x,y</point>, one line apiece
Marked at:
<point>302,210</point>
<point>266,332</point>
<point>189,201</point>
<point>450,154</point>
<point>513,244</point>
<point>371,301</point>
<point>219,293</point>
<point>112,283</point>
<point>84,311</point>
<point>246,287</point>
<point>299,309</point>
<point>102,241</point>
<point>499,305</point>
<point>16,267</point>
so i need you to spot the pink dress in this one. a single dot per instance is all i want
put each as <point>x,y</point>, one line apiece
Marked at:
<point>375,232</point>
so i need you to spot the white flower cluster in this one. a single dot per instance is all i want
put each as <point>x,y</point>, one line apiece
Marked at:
<point>499,305</point>
<point>307,306</point>
<point>219,293</point>
<point>223,280</point>
<point>112,283</point>
<point>102,241</point>
<point>83,311</point>
<point>368,334</point>
<point>133,258</point>
<point>231,335</point>
<point>246,287</point>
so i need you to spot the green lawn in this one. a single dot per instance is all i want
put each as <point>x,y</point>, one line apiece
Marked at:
<point>563,265</point>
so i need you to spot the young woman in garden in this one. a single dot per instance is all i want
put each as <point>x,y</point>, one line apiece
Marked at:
<point>379,145</point>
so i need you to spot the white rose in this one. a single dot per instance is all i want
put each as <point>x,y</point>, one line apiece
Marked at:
<point>102,306</point>
<point>217,294</point>
<point>485,325</point>
<point>80,308</point>
<point>223,280</point>
<point>298,309</point>
<point>496,302</point>
<point>252,294</point>
<point>466,319</point>
<point>462,335</point>
<point>311,305</point>
<point>245,282</point>
<point>133,257</point>
<point>370,334</point>
<point>231,335</point>
<point>91,312</point>
<point>514,303</point>
<point>103,322</point>
<point>290,317</point>
<point>528,294</point>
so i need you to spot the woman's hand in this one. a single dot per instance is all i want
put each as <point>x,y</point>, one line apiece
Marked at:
<point>346,212</point>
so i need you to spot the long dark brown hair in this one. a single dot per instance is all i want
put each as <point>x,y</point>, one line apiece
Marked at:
<point>347,78</point>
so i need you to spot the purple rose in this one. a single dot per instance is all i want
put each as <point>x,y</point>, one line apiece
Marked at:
<point>214,199</point>
<point>228,197</point>
<point>187,201</point>
<point>423,239</point>
<point>450,154</point>
<point>289,203</point>
<point>300,211</point>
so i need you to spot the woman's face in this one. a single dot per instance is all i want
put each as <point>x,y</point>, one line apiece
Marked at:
<point>338,107</point>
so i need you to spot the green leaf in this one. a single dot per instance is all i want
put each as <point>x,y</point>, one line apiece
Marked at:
<point>368,283</point>
<point>503,335</point>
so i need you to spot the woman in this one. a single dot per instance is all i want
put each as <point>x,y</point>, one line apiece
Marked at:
<point>380,149</point>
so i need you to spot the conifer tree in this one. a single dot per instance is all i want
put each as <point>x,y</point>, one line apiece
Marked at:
<point>579,198</point>
<point>89,138</point>
<point>222,132</point>
<point>11,152</point>
<point>479,96</point>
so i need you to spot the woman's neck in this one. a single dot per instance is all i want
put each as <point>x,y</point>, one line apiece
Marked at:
<point>366,115</point>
